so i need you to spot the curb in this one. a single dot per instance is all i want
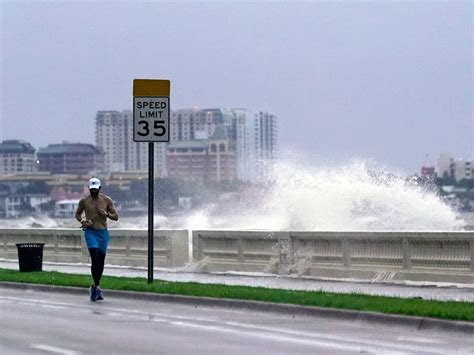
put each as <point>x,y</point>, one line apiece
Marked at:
<point>419,323</point>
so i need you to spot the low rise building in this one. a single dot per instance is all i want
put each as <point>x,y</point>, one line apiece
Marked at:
<point>65,208</point>
<point>202,160</point>
<point>17,205</point>
<point>16,157</point>
<point>459,169</point>
<point>70,158</point>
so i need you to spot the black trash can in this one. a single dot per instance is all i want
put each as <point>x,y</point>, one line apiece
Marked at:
<point>30,256</point>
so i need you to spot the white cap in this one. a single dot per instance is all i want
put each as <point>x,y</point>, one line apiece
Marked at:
<point>94,183</point>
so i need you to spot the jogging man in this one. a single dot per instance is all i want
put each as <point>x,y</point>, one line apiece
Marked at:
<point>97,207</point>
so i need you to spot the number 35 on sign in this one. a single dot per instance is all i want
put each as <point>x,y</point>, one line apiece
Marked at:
<point>151,119</point>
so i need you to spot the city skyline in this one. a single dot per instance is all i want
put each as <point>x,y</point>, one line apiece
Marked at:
<point>383,81</point>
<point>216,143</point>
<point>427,163</point>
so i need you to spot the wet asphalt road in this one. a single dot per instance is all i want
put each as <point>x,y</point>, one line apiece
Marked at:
<point>35,322</point>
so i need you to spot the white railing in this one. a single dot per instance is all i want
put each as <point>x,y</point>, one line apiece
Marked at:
<point>418,256</point>
<point>126,247</point>
<point>378,256</point>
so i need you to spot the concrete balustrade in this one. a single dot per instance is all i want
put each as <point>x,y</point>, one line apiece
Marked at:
<point>378,256</point>
<point>126,247</point>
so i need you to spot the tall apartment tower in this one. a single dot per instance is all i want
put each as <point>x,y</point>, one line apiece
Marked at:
<point>253,136</point>
<point>191,124</point>
<point>257,144</point>
<point>111,137</point>
<point>114,134</point>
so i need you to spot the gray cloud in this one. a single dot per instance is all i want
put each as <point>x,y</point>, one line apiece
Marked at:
<point>388,81</point>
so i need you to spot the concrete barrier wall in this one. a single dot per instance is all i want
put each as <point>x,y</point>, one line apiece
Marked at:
<point>126,247</point>
<point>377,256</point>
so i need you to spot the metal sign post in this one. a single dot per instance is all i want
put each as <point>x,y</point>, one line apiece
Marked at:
<point>151,208</point>
<point>151,113</point>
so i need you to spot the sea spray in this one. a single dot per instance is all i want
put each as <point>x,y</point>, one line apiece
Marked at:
<point>356,196</point>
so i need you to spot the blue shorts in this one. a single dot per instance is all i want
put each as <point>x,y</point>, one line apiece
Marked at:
<point>97,238</point>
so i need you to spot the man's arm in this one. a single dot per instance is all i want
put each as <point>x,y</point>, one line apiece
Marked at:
<point>85,223</point>
<point>111,211</point>
<point>79,211</point>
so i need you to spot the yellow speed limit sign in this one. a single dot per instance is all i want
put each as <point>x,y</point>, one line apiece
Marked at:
<point>151,110</point>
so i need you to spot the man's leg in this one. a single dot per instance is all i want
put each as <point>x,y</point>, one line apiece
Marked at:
<point>101,263</point>
<point>103,244</point>
<point>95,265</point>
<point>95,271</point>
<point>100,297</point>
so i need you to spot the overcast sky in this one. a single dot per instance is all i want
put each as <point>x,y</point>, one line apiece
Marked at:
<point>377,80</point>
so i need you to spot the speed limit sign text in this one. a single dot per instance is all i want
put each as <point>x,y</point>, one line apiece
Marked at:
<point>151,119</point>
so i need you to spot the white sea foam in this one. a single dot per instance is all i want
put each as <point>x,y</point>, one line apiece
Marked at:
<point>350,197</point>
<point>353,197</point>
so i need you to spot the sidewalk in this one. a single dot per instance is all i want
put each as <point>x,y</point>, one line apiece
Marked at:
<point>455,292</point>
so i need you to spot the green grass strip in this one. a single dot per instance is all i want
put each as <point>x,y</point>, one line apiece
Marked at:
<point>452,310</point>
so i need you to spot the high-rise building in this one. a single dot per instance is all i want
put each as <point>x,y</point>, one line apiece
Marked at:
<point>111,136</point>
<point>74,158</point>
<point>257,144</point>
<point>114,134</point>
<point>252,136</point>
<point>190,124</point>
<point>17,156</point>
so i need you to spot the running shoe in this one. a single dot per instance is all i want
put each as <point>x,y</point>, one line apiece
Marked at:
<point>94,293</point>
<point>99,294</point>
